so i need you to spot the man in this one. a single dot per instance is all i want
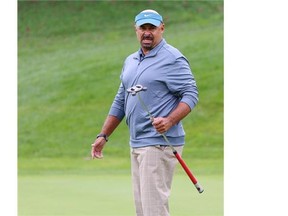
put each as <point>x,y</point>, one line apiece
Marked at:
<point>171,94</point>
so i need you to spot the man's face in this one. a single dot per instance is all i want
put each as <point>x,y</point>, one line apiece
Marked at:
<point>149,36</point>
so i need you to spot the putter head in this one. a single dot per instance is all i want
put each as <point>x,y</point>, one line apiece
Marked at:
<point>135,89</point>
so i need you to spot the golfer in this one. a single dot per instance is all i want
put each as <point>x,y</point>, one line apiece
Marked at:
<point>170,96</point>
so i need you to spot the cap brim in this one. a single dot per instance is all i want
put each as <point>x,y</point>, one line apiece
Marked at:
<point>148,21</point>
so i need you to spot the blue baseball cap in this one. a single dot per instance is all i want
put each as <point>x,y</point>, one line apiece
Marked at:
<point>148,16</point>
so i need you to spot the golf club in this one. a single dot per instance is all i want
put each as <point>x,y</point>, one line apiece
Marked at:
<point>135,90</point>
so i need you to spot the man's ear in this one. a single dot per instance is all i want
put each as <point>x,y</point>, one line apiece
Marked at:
<point>162,27</point>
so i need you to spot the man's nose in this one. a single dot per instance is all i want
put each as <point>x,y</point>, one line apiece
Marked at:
<point>147,33</point>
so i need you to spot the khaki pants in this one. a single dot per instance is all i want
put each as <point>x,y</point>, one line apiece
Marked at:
<point>152,172</point>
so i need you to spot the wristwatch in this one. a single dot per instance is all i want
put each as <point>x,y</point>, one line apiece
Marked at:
<point>103,135</point>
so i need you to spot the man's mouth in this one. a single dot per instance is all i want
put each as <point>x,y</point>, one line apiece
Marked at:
<point>147,40</point>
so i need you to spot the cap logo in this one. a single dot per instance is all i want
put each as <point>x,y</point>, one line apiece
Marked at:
<point>148,16</point>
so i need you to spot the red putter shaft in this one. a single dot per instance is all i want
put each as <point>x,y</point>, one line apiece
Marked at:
<point>189,173</point>
<point>185,167</point>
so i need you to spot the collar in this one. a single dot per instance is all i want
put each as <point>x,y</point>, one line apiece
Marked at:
<point>140,55</point>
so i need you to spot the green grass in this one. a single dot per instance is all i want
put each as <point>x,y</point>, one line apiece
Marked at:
<point>70,55</point>
<point>103,195</point>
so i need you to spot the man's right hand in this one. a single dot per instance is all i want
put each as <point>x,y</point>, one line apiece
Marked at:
<point>97,147</point>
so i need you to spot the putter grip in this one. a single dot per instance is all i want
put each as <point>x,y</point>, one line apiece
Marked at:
<point>189,173</point>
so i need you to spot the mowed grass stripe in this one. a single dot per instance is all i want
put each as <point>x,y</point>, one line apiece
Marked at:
<point>111,195</point>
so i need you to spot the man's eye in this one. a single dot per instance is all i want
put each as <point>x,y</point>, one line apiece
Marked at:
<point>148,29</point>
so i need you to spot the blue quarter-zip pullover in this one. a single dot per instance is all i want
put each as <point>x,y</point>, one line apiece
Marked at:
<point>169,80</point>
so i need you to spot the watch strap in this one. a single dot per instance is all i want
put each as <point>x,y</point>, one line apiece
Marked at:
<point>103,135</point>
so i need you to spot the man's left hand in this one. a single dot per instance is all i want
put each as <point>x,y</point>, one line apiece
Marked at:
<point>162,124</point>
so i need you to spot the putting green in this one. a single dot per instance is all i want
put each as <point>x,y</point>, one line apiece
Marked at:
<point>111,195</point>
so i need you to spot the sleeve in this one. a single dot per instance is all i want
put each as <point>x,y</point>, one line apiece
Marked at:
<point>182,83</point>
<point>117,107</point>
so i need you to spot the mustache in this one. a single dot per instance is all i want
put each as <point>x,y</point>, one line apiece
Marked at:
<point>149,37</point>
